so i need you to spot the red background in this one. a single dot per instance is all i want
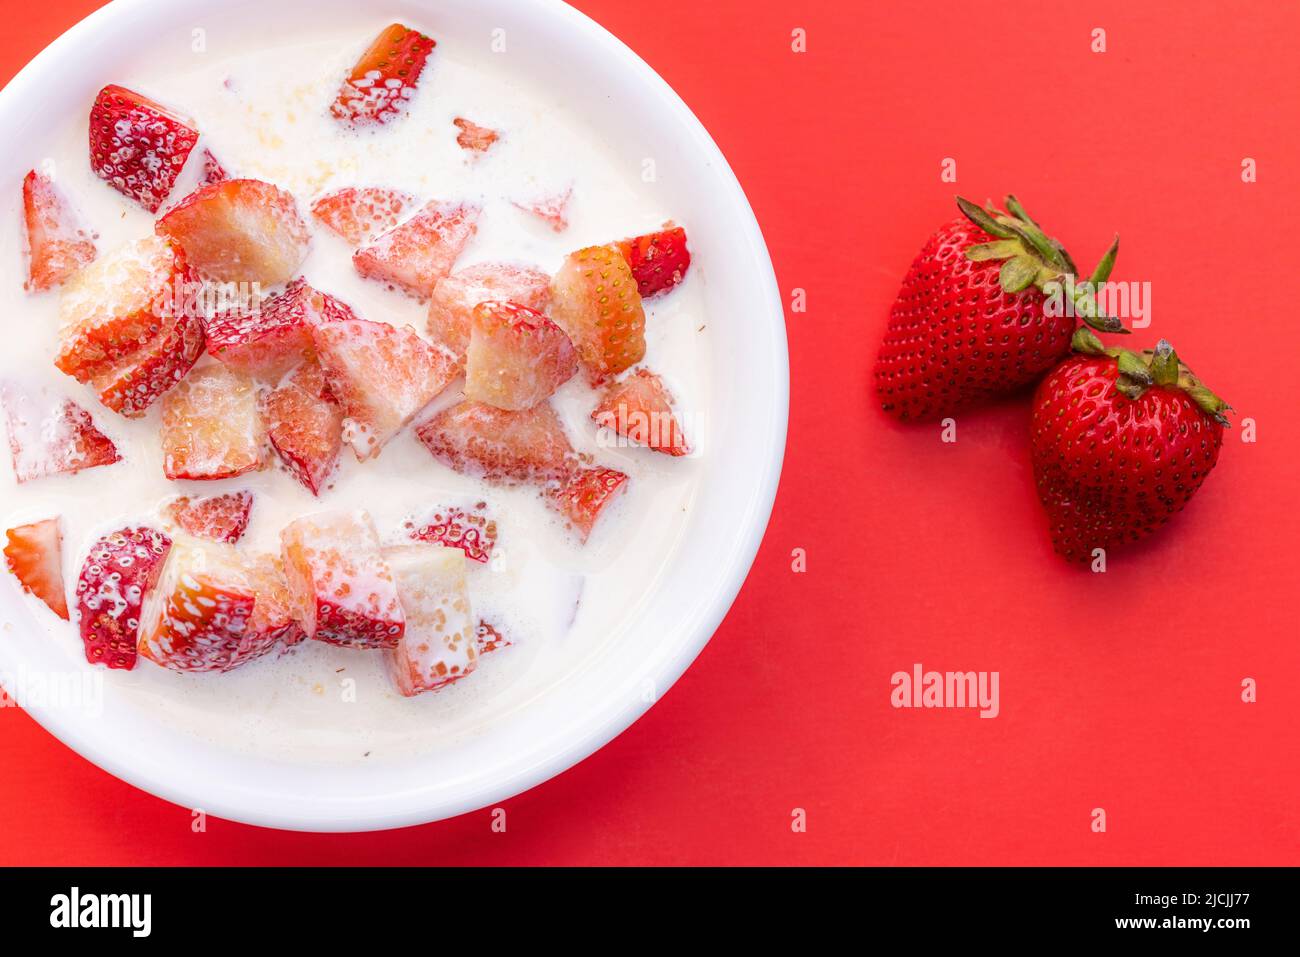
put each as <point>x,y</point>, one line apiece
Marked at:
<point>1119,691</point>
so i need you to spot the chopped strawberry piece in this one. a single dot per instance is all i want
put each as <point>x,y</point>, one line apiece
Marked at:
<point>594,299</point>
<point>268,339</point>
<point>554,209</point>
<point>382,377</point>
<point>359,214</point>
<point>343,590</point>
<point>34,554</point>
<point>473,137</point>
<point>641,409</point>
<point>206,612</point>
<point>414,255</point>
<point>658,260</point>
<point>57,243</point>
<point>470,529</point>
<point>584,495</point>
<point>211,427</point>
<point>213,171</point>
<point>305,426</point>
<point>489,639</point>
<point>49,435</point>
<point>136,382</point>
<point>119,570</point>
<point>196,615</point>
<point>137,146</point>
<point>240,230</point>
<point>439,644</point>
<point>116,307</point>
<point>219,518</point>
<point>517,357</point>
<point>490,443</point>
<point>273,616</point>
<point>451,308</point>
<point>385,78</point>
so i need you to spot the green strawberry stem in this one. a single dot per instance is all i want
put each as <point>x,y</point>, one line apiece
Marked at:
<point>1153,367</point>
<point>1030,257</point>
<point>1164,364</point>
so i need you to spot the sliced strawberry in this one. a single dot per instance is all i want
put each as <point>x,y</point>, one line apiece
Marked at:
<point>490,443</point>
<point>554,209</point>
<point>137,146</point>
<point>240,230</point>
<point>359,214</point>
<point>343,590</point>
<point>422,250</point>
<point>196,616</point>
<point>584,494</point>
<point>451,308</point>
<point>385,78</point>
<point>219,518</point>
<point>382,377</point>
<point>213,171</point>
<point>489,639</point>
<point>517,357</point>
<point>471,529</point>
<point>34,554</point>
<point>305,426</point>
<point>212,609</point>
<point>57,243</point>
<point>49,435</point>
<point>116,307</point>
<point>658,260</point>
<point>594,299</point>
<point>119,570</point>
<point>641,409</point>
<point>472,137</point>
<point>274,336</point>
<point>136,382</point>
<point>211,427</point>
<point>273,620</point>
<point>439,644</point>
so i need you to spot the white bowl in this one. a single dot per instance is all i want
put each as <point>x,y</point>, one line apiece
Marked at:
<point>594,72</point>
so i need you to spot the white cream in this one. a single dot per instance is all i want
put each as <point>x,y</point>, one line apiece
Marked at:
<point>264,115</point>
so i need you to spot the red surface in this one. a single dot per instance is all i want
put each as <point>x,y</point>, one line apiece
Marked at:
<point>1119,691</point>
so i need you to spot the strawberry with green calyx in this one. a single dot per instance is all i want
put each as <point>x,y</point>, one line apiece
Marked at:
<point>973,317</point>
<point>1159,366</point>
<point>1120,442</point>
<point>1030,257</point>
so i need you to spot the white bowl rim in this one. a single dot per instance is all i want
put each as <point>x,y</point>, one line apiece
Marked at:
<point>239,805</point>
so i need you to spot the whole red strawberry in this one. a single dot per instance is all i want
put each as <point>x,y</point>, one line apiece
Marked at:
<point>1120,443</point>
<point>975,318</point>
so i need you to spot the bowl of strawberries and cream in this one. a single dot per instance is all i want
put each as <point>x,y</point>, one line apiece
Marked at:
<point>393,413</point>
